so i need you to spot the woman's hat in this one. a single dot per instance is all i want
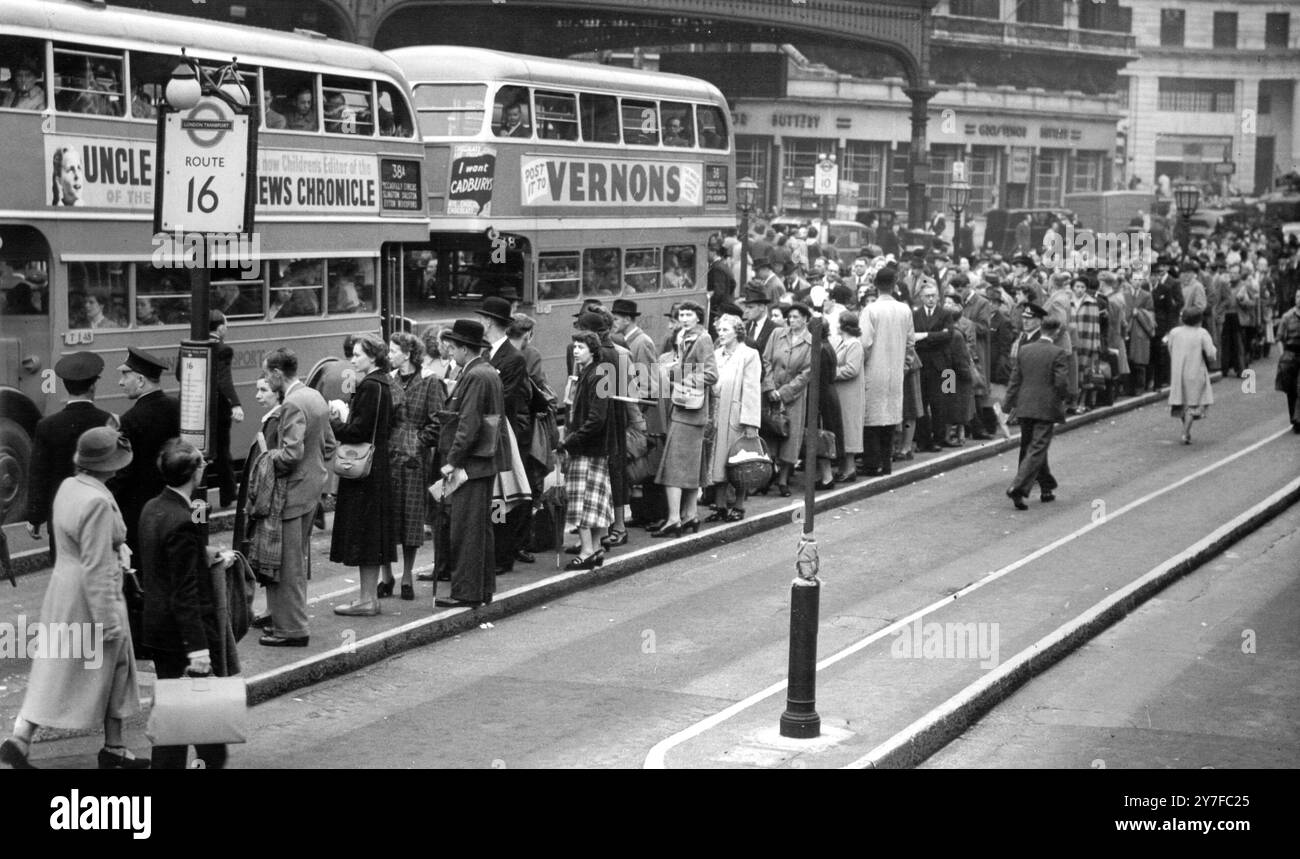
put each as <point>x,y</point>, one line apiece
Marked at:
<point>467,332</point>
<point>496,308</point>
<point>102,449</point>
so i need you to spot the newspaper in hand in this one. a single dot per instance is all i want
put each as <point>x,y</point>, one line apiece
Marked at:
<point>340,410</point>
<point>441,489</point>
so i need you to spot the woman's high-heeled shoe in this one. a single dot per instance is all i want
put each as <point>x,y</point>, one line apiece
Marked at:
<point>673,529</point>
<point>828,485</point>
<point>735,514</point>
<point>692,525</point>
<point>595,559</point>
<point>719,514</point>
<point>384,589</point>
<point>614,538</point>
<point>408,593</point>
<point>783,490</point>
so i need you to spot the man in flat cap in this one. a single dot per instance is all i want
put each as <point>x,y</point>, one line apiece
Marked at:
<point>55,441</point>
<point>154,418</point>
<point>1039,388</point>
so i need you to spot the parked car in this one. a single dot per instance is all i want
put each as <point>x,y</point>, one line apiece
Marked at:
<point>1000,226</point>
<point>850,236</point>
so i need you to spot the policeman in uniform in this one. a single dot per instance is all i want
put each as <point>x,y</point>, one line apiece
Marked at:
<point>148,424</point>
<point>56,436</point>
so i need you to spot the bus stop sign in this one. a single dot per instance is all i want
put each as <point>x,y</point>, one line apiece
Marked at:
<point>209,170</point>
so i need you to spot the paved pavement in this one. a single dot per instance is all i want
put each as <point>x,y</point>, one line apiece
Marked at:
<point>604,676</point>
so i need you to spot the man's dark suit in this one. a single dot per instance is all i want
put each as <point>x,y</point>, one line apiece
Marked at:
<point>179,607</point>
<point>933,352</point>
<point>53,447</point>
<point>477,397</point>
<point>513,533</point>
<point>155,418</point>
<point>757,339</point>
<point>1167,303</point>
<point>1040,385</point>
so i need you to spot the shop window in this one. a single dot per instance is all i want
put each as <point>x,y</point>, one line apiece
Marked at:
<point>1048,179</point>
<point>600,272</point>
<point>864,164</point>
<point>679,124</point>
<point>348,106</point>
<point>557,276</point>
<point>557,115</point>
<point>679,267</point>
<point>88,81</point>
<point>22,74</point>
<point>640,122</point>
<point>395,114</point>
<point>162,297</point>
<point>297,287</point>
<point>599,118</point>
<point>447,110</point>
<point>1085,172</point>
<point>511,112</point>
<point>713,127</point>
<point>97,295</point>
<point>641,270</point>
<point>290,102</point>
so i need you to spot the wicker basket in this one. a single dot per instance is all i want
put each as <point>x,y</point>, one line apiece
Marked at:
<point>745,469</point>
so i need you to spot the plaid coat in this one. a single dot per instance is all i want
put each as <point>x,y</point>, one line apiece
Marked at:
<point>1086,319</point>
<point>411,449</point>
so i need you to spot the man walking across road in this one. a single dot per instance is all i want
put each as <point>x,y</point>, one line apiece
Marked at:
<point>306,444</point>
<point>55,440</point>
<point>474,453</point>
<point>1040,385</point>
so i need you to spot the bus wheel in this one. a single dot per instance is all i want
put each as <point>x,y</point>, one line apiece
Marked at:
<point>15,461</point>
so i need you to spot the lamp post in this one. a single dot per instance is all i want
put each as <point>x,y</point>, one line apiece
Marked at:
<point>958,199</point>
<point>189,84</point>
<point>746,191</point>
<point>827,183</point>
<point>1187,197</point>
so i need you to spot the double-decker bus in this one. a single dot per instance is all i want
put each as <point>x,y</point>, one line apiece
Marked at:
<point>339,189</point>
<point>552,181</point>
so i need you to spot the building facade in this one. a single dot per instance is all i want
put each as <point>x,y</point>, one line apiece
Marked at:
<point>1215,83</point>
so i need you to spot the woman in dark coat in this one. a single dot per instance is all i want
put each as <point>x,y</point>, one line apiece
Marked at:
<point>411,445</point>
<point>365,529</point>
<point>590,509</point>
<point>828,414</point>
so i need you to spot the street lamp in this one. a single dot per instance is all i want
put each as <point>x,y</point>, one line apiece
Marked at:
<point>190,82</point>
<point>827,165</point>
<point>1187,197</point>
<point>958,199</point>
<point>746,191</point>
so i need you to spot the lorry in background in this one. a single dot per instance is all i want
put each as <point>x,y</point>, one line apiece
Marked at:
<point>1110,211</point>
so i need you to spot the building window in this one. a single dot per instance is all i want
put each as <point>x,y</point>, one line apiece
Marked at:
<point>1105,15</point>
<point>1125,84</point>
<point>1049,176</point>
<point>982,172</point>
<point>1173,23</point>
<point>864,163</point>
<point>1277,29</point>
<point>1225,29</point>
<point>1265,103</point>
<point>799,157</point>
<point>1196,95</point>
<point>751,161</point>
<point>1050,12</point>
<point>941,158</point>
<point>974,8</point>
<point>1085,172</point>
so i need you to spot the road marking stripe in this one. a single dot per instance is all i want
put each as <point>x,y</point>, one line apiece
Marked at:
<point>657,755</point>
<point>1003,673</point>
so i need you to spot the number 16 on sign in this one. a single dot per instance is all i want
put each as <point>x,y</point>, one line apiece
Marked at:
<point>209,163</point>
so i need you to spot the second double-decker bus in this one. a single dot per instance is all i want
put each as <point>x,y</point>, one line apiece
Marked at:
<point>552,181</point>
<point>339,188</point>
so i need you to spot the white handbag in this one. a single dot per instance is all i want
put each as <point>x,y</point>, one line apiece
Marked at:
<point>198,711</point>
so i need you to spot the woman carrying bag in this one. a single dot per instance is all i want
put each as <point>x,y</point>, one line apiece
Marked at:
<point>365,532</point>
<point>738,395</point>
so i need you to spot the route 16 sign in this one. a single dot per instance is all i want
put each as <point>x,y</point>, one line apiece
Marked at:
<point>209,165</point>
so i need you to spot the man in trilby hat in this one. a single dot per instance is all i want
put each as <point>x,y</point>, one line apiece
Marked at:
<point>1039,388</point>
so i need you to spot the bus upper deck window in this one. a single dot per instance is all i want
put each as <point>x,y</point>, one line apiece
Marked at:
<point>679,127</point>
<point>88,82</point>
<point>640,122</point>
<point>510,112</point>
<point>713,127</point>
<point>347,107</point>
<point>447,110</point>
<point>557,116</point>
<point>23,89</point>
<point>289,100</point>
<point>394,115</point>
<point>599,118</point>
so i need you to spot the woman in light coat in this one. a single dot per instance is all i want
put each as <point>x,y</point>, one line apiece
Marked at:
<point>850,391</point>
<point>691,362</point>
<point>787,367</point>
<point>738,395</point>
<point>83,680</point>
<point>1190,347</point>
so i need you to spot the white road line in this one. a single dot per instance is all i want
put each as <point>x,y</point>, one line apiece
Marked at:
<point>972,693</point>
<point>657,755</point>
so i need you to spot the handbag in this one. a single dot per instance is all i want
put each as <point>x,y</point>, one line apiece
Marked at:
<point>775,421</point>
<point>687,397</point>
<point>644,467</point>
<point>191,711</point>
<point>827,447</point>
<point>353,461</point>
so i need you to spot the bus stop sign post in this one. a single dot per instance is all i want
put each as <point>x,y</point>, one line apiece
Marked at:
<point>207,144</point>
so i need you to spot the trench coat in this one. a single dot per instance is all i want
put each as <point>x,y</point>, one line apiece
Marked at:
<point>1143,329</point>
<point>738,396</point>
<point>887,329</point>
<point>85,588</point>
<point>787,367</point>
<point>1189,378</point>
<point>683,460</point>
<point>850,391</point>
